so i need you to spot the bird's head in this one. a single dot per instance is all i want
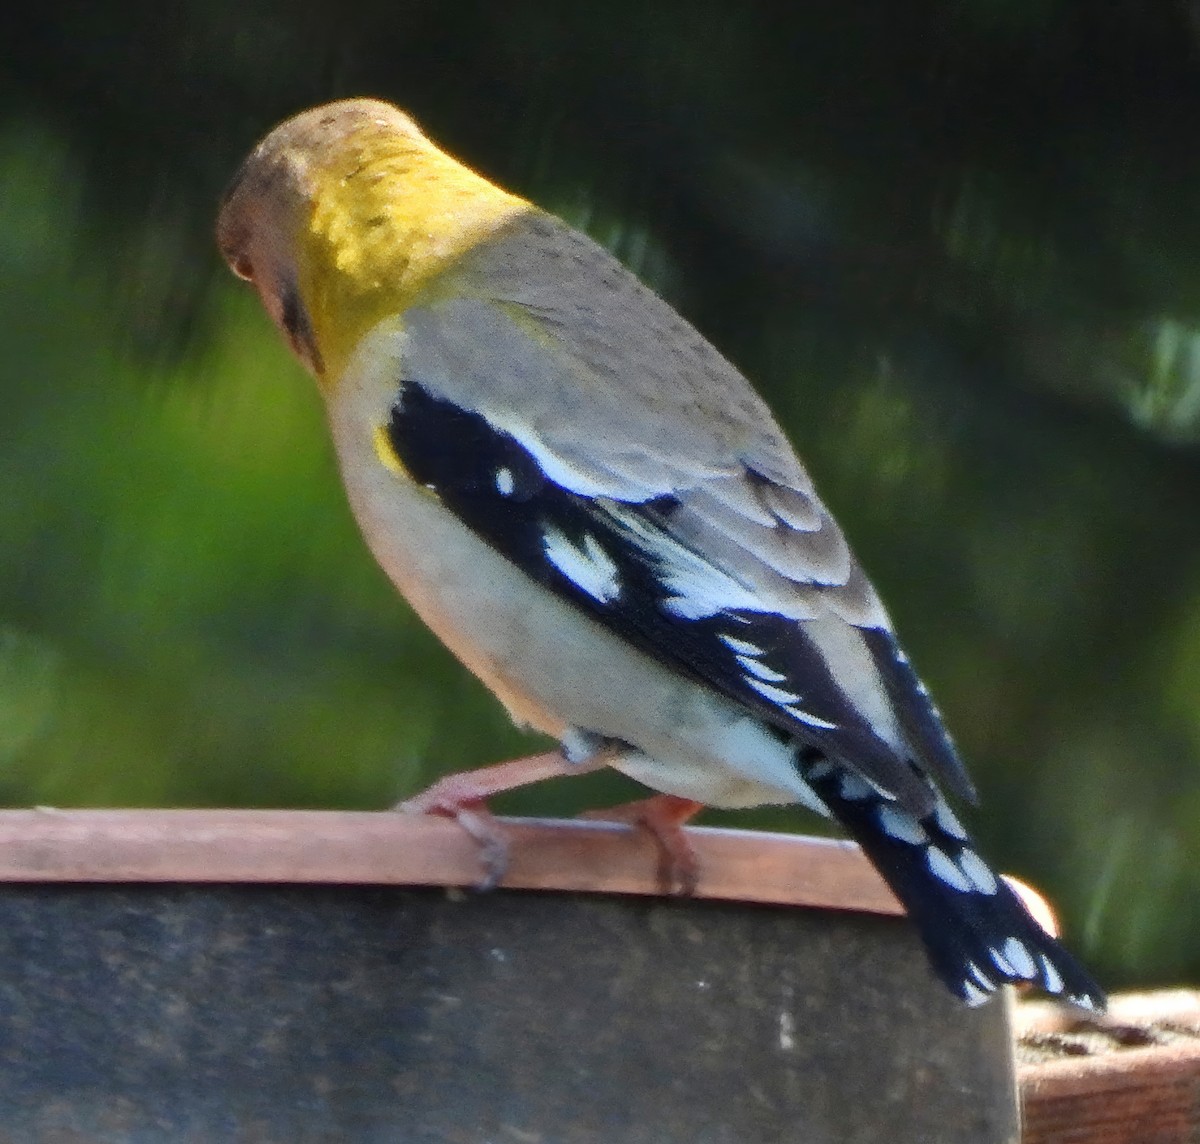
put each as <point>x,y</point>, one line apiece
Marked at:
<point>340,215</point>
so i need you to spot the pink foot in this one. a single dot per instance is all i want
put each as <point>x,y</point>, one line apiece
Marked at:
<point>663,816</point>
<point>464,796</point>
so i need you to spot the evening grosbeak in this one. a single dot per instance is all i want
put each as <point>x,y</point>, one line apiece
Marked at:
<point>597,514</point>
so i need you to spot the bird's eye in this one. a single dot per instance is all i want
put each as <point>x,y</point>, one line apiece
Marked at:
<point>240,265</point>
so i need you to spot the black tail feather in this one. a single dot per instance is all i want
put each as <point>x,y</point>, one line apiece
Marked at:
<point>977,932</point>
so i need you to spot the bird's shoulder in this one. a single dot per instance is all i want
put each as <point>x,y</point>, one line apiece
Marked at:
<point>542,324</point>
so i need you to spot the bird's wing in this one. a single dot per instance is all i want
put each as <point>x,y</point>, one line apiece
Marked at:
<point>667,527</point>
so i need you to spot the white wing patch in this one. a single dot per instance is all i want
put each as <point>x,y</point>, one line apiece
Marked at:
<point>981,979</point>
<point>740,647</point>
<point>698,589</point>
<point>976,869</point>
<point>968,873</point>
<point>551,464</point>
<point>588,567</point>
<point>1019,957</point>
<point>1050,975</point>
<point>762,679</point>
<point>974,996</point>
<point>752,667</point>
<point>942,866</point>
<point>811,720</point>
<point>901,825</point>
<point>948,821</point>
<point>774,694</point>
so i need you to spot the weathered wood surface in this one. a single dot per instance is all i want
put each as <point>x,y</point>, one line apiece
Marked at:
<point>1130,1077</point>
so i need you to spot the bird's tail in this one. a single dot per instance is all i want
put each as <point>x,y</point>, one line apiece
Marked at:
<point>977,932</point>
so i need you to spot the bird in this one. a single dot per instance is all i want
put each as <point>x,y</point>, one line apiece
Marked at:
<point>601,519</point>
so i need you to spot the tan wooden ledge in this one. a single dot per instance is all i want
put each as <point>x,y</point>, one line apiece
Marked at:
<point>384,848</point>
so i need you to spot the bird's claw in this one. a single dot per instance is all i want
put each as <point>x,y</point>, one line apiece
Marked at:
<point>662,817</point>
<point>463,797</point>
<point>473,815</point>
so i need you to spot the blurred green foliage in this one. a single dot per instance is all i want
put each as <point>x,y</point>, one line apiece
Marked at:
<point>954,241</point>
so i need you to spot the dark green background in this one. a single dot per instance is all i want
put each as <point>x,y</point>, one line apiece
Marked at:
<point>956,243</point>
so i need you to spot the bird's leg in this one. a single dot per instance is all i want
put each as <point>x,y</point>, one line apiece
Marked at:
<point>464,796</point>
<point>663,816</point>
